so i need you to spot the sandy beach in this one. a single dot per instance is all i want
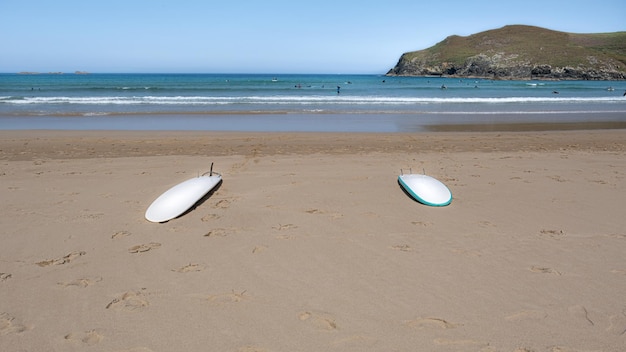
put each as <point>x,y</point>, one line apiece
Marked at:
<point>309,244</point>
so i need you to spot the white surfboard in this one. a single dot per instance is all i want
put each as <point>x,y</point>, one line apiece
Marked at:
<point>426,189</point>
<point>180,198</point>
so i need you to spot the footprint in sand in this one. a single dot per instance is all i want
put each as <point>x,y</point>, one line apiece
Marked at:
<point>258,249</point>
<point>8,325</point>
<point>129,301</point>
<point>5,276</point>
<point>88,338</point>
<point>282,227</point>
<point>87,217</point>
<point>319,320</point>
<point>223,204</point>
<point>544,270</point>
<point>120,234</point>
<point>63,260</point>
<point>402,248</point>
<point>210,217</point>
<point>556,234</point>
<point>189,268</point>
<point>422,323</point>
<point>228,298</point>
<point>558,178</point>
<point>422,223</point>
<point>140,248</point>
<point>219,232</point>
<point>486,224</point>
<point>331,214</point>
<point>83,282</point>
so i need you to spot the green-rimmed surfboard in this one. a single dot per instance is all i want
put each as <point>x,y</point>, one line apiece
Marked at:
<point>425,189</point>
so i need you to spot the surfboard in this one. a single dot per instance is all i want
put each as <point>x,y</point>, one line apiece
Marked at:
<point>177,200</point>
<point>426,189</point>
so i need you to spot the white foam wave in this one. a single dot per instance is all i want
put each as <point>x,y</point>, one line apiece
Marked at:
<point>299,100</point>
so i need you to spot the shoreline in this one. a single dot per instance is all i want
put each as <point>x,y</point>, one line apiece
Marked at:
<point>323,122</point>
<point>59,144</point>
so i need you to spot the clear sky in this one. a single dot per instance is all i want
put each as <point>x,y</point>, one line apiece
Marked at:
<point>263,36</point>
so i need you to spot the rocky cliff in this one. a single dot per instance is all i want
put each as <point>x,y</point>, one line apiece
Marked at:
<point>521,52</point>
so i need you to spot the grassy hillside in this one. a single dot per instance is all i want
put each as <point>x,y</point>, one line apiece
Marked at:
<point>519,45</point>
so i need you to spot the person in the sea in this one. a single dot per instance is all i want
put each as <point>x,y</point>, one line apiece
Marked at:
<point>625,93</point>
<point>338,89</point>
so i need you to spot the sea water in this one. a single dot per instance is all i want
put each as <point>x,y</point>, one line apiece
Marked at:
<point>267,102</point>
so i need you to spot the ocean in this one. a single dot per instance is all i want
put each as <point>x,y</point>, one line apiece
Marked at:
<point>309,103</point>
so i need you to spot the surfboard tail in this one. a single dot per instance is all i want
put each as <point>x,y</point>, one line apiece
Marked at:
<point>210,172</point>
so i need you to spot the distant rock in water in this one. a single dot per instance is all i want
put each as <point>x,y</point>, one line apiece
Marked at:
<point>521,52</point>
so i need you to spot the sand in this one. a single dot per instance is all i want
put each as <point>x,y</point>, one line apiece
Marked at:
<point>309,244</point>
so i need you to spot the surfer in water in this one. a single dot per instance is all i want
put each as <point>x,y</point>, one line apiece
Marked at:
<point>338,89</point>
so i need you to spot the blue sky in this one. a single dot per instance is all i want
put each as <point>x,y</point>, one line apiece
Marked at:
<point>268,36</point>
